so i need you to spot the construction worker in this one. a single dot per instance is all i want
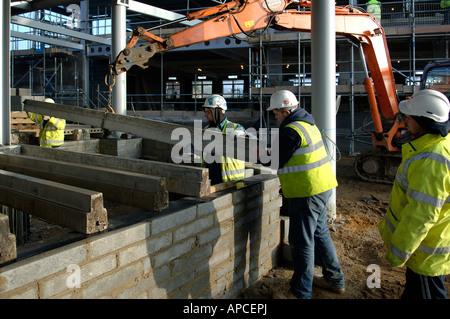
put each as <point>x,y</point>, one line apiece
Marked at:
<point>374,7</point>
<point>51,129</point>
<point>416,227</point>
<point>228,169</point>
<point>307,180</point>
<point>445,4</point>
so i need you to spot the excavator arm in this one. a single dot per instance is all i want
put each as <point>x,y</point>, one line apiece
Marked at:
<point>249,16</point>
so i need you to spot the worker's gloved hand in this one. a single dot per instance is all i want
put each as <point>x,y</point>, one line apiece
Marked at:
<point>46,117</point>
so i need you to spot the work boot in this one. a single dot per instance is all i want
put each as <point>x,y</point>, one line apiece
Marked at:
<point>319,281</point>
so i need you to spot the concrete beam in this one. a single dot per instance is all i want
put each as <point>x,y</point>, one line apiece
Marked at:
<point>340,89</point>
<point>133,189</point>
<point>180,179</point>
<point>79,209</point>
<point>52,41</point>
<point>146,128</point>
<point>18,7</point>
<point>59,30</point>
<point>153,11</point>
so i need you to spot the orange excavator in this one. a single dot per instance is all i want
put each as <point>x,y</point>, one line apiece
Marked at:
<point>248,16</point>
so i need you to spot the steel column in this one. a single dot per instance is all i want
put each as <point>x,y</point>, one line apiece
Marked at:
<point>5,114</point>
<point>323,69</point>
<point>119,94</point>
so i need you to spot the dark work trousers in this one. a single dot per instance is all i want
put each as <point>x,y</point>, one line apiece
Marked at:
<point>424,287</point>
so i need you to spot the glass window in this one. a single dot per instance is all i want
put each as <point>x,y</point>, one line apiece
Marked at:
<point>201,89</point>
<point>438,78</point>
<point>101,26</point>
<point>172,90</point>
<point>233,88</point>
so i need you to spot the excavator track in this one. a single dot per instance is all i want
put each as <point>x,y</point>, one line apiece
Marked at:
<point>377,166</point>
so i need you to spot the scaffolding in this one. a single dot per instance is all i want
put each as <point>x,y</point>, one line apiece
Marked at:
<point>269,64</point>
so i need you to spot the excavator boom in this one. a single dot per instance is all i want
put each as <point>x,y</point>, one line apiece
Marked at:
<point>249,16</point>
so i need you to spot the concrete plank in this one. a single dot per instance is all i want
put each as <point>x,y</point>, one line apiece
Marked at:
<point>141,127</point>
<point>71,196</point>
<point>180,179</point>
<point>8,250</point>
<point>129,188</point>
<point>79,209</point>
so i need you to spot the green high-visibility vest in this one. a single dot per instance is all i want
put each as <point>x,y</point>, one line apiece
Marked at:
<point>374,7</point>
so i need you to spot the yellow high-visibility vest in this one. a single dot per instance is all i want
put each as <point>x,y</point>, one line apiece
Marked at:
<point>232,169</point>
<point>51,133</point>
<point>308,172</point>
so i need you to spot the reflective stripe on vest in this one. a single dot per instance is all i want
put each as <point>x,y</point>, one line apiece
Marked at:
<point>416,195</point>
<point>232,173</point>
<point>423,248</point>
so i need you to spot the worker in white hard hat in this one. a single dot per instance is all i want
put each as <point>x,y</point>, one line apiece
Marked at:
<point>416,228</point>
<point>307,180</point>
<point>51,129</point>
<point>229,169</point>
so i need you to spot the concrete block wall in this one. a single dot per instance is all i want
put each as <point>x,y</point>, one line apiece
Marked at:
<point>18,95</point>
<point>211,247</point>
<point>122,147</point>
<point>131,148</point>
<point>156,151</point>
<point>86,146</point>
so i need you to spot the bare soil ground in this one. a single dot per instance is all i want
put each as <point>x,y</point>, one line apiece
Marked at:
<point>360,207</point>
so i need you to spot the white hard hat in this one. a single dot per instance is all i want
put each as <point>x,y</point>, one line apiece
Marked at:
<point>282,99</point>
<point>216,100</point>
<point>48,100</point>
<point>427,103</point>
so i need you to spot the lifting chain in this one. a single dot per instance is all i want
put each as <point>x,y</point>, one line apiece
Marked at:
<point>110,83</point>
